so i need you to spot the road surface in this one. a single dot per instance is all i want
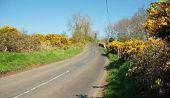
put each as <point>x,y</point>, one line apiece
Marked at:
<point>76,77</point>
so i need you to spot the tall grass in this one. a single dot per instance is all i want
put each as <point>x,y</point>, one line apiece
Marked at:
<point>11,61</point>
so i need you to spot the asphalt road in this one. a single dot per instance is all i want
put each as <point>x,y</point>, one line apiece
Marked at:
<point>77,77</point>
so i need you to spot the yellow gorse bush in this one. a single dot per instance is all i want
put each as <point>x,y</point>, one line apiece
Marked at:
<point>150,61</point>
<point>53,39</point>
<point>133,46</point>
<point>116,44</point>
<point>153,41</point>
<point>8,28</point>
<point>158,20</point>
<point>11,39</point>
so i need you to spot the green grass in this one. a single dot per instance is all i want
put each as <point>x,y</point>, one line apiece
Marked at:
<point>11,61</point>
<point>118,84</point>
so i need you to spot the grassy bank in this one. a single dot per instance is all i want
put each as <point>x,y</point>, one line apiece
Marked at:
<point>118,84</point>
<point>11,61</point>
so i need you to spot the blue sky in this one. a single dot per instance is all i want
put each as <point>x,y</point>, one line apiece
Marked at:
<point>46,16</point>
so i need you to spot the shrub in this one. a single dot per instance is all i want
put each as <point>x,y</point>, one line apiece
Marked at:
<point>116,46</point>
<point>9,37</point>
<point>150,67</point>
<point>158,20</point>
<point>133,46</point>
<point>58,40</point>
<point>41,39</point>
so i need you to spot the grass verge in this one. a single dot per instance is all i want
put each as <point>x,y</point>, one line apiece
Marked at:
<point>118,84</point>
<point>12,61</point>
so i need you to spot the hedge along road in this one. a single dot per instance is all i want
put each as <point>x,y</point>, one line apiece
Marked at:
<point>71,78</point>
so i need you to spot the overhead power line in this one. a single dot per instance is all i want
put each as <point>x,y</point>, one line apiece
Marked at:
<point>107,10</point>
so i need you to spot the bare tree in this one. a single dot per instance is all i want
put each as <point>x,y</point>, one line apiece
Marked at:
<point>128,28</point>
<point>86,26</point>
<point>80,27</point>
<point>110,31</point>
<point>122,29</point>
<point>137,20</point>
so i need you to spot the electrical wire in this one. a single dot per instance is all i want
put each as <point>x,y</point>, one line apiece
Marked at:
<point>107,10</point>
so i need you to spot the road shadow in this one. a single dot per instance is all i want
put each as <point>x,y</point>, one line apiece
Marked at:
<point>100,86</point>
<point>81,96</point>
<point>86,96</point>
<point>104,54</point>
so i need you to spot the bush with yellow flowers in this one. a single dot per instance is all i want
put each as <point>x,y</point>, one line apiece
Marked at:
<point>41,39</point>
<point>50,39</point>
<point>117,46</point>
<point>158,20</point>
<point>133,46</point>
<point>8,37</point>
<point>11,39</point>
<point>151,67</point>
<point>150,63</point>
<point>58,40</point>
<point>150,59</point>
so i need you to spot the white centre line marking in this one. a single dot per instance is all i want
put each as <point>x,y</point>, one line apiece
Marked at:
<point>41,84</point>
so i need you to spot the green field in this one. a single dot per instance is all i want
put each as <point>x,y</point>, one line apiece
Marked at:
<point>11,61</point>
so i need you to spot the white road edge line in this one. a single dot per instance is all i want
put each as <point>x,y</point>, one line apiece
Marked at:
<point>41,84</point>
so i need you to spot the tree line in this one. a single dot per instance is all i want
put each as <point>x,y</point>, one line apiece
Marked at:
<point>128,28</point>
